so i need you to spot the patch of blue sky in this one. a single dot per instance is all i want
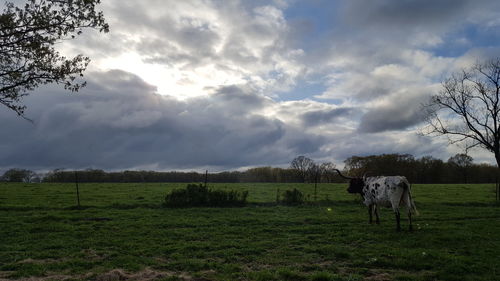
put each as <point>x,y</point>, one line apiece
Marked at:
<point>303,90</point>
<point>307,89</point>
<point>467,37</point>
<point>314,20</point>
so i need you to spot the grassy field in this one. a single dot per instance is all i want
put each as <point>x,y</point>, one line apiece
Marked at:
<point>123,233</point>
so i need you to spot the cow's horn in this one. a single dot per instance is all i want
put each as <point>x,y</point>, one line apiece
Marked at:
<point>340,174</point>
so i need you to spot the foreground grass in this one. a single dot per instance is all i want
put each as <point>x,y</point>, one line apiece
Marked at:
<point>124,226</point>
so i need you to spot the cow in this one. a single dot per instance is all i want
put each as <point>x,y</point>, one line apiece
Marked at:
<point>392,191</point>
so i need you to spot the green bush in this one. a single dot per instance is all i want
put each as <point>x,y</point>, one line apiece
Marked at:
<point>293,197</point>
<point>197,195</point>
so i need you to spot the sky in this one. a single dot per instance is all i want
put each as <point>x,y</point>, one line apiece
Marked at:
<point>226,85</point>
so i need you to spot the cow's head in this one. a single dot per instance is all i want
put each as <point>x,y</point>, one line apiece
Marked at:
<point>355,184</point>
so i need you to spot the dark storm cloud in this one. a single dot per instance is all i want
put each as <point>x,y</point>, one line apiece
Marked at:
<point>162,51</point>
<point>119,122</point>
<point>417,22</point>
<point>386,143</point>
<point>389,119</point>
<point>314,118</point>
<point>407,12</point>
<point>233,97</point>
<point>401,111</point>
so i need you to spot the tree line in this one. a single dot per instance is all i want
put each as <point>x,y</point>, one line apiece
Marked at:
<point>457,169</point>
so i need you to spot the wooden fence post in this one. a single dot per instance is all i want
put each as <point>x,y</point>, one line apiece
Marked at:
<point>77,190</point>
<point>316,189</point>
<point>497,190</point>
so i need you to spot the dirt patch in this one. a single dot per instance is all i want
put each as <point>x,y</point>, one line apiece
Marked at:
<point>379,277</point>
<point>146,275</point>
<point>4,274</point>
<point>96,219</point>
<point>93,255</point>
<point>40,261</point>
<point>46,278</point>
<point>113,275</point>
<point>161,260</point>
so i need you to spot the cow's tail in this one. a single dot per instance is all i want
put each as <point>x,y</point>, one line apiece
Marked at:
<point>412,206</point>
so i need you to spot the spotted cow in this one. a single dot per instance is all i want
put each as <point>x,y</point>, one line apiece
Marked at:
<point>392,191</point>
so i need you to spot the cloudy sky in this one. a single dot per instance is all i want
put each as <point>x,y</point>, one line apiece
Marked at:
<point>225,85</point>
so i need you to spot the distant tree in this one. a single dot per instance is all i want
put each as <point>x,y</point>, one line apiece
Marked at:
<point>482,173</point>
<point>260,174</point>
<point>429,170</point>
<point>468,107</point>
<point>424,170</point>
<point>19,175</point>
<point>35,178</point>
<point>461,162</point>
<point>56,175</point>
<point>28,34</point>
<point>355,164</point>
<point>303,166</point>
<point>328,171</point>
<point>314,175</point>
<point>385,164</point>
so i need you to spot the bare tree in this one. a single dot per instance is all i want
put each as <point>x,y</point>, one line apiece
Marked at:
<point>328,171</point>
<point>303,165</point>
<point>314,174</point>
<point>468,107</point>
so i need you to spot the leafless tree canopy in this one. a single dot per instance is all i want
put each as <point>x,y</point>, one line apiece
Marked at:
<point>468,107</point>
<point>328,171</point>
<point>303,165</point>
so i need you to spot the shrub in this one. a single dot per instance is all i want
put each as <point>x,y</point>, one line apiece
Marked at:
<point>197,195</point>
<point>293,197</point>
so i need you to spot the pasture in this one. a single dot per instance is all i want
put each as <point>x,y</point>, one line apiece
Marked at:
<point>123,233</point>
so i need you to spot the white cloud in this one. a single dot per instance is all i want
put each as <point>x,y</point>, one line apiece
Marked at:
<point>187,47</point>
<point>119,122</point>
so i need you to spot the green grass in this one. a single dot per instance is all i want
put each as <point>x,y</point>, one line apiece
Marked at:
<point>123,226</point>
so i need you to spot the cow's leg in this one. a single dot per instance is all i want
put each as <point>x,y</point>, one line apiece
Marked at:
<point>409,218</point>
<point>398,226</point>
<point>376,214</point>
<point>370,212</point>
